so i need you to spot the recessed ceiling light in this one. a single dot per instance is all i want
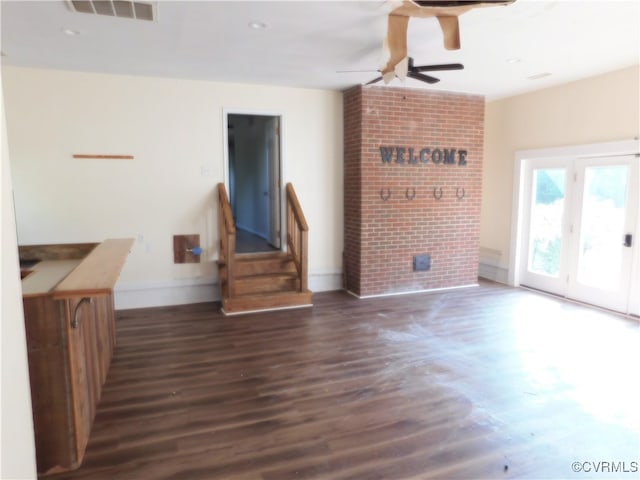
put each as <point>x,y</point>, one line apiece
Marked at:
<point>256,25</point>
<point>538,76</point>
<point>513,60</point>
<point>71,32</point>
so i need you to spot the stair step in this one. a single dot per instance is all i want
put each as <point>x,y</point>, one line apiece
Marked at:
<point>266,301</point>
<point>256,264</point>
<point>265,283</point>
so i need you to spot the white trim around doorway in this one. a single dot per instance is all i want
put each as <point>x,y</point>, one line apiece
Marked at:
<point>225,158</point>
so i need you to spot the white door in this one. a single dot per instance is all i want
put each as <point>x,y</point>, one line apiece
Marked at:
<point>580,228</point>
<point>275,192</point>
<point>603,227</point>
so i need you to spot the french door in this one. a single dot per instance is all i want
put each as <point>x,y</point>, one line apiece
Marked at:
<point>580,228</point>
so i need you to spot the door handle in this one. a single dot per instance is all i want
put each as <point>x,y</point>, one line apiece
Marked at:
<point>75,323</point>
<point>628,240</point>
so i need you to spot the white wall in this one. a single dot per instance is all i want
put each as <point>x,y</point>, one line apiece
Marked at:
<point>17,447</point>
<point>598,109</point>
<point>174,130</point>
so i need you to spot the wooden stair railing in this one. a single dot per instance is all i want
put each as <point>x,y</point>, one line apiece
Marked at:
<point>227,230</point>
<point>297,236</point>
<point>266,280</point>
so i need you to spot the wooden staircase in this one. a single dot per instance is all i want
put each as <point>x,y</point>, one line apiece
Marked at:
<point>263,281</point>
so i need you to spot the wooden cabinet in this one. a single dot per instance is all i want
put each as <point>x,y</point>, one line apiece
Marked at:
<point>70,326</point>
<point>50,382</point>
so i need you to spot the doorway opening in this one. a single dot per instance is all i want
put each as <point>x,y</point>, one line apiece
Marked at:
<point>254,170</point>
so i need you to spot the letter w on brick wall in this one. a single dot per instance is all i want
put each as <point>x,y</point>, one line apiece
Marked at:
<point>386,153</point>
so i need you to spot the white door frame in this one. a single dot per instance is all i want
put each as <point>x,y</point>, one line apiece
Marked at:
<point>522,158</point>
<point>225,158</point>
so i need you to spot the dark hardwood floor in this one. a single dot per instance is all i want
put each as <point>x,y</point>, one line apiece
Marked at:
<point>481,383</point>
<point>247,242</point>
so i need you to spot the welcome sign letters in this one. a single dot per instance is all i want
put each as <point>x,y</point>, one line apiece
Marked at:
<point>410,155</point>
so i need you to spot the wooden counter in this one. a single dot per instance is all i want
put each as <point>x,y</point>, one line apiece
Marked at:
<point>98,272</point>
<point>70,327</point>
<point>45,275</point>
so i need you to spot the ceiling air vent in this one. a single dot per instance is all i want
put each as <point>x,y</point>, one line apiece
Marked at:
<point>115,8</point>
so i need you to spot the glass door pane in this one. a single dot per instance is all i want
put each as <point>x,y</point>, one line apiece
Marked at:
<point>602,226</point>
<point>547,212</point>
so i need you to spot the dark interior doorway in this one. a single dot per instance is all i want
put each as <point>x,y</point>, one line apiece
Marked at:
<point>254,181</point>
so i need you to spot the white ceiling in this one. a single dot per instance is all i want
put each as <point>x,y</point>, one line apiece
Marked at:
<point>307,43</point>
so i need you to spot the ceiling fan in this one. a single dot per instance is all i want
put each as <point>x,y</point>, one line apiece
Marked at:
<point>446,11</point>
<point>415,71</point>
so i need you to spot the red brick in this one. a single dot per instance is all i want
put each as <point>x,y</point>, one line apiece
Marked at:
<point>381,237</point>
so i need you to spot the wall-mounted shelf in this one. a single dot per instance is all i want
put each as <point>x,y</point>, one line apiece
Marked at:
<point>103,157</point>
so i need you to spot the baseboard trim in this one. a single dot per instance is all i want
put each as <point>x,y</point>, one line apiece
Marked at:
<point>198,290</point>
<point>164,294</point>
<point>262,310</point>
<point>411,292</point>
<point>493,271</point>
<point>325,281</point>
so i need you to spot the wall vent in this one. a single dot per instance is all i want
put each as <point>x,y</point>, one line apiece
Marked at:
<point>115,8</point>
<point>422,263</point>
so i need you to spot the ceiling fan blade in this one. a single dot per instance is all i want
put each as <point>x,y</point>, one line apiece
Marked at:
<point>451,31</point>
<point>401,69</point>
<point>422,77</point>
<point>388,77</point>
<point>437,68</point>
<point>435,8</point>
<point>460,3</point>
<point>357,71</point>
<point>374,81</point>
<point>396,41</point>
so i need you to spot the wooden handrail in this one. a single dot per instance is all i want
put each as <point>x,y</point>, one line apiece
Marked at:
<point>227,230</point>
<point>292,199</point>
<point>297,236</point>
<point>225,208</point>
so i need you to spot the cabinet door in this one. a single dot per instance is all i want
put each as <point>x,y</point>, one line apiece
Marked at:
<point>50,383</point>
<point>104,334</point>
<point>80,316</point>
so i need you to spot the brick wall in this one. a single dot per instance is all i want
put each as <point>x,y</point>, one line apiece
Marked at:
<point>382,237</point>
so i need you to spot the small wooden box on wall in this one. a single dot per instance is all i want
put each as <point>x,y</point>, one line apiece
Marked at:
<point>184,248</point>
